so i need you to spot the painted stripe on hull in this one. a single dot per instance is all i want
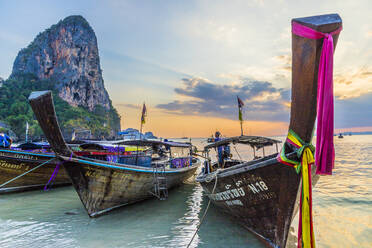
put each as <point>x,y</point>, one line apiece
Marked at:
<point>83,161</point>
<point>29,187</point>
<point>29,153</point>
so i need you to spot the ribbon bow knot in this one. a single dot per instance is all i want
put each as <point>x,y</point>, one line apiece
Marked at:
<point>306,148</point>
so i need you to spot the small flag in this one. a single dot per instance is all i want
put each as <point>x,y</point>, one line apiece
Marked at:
<point>240,106</point>
<point>144,113</point>
<point>27,127</point>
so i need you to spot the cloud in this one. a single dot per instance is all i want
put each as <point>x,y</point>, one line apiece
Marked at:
<point>285,62</point>
<point>353,83</point>
<point>262,100</point>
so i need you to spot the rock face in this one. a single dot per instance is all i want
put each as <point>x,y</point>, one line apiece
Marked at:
<point>67,53</point>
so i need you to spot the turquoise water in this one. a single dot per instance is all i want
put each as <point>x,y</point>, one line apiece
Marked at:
<point>342,212</point>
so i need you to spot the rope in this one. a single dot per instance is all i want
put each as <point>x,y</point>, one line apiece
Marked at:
<point>11,180</point>
<point>237,153</point>
<point>206,210</point>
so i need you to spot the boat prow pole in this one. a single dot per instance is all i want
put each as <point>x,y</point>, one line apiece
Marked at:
<point>42,104</point>
<point>305,66</point>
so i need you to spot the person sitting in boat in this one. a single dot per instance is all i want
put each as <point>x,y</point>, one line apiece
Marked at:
<point>5,140</point>
<point>217,137</point>
<point>223,151</point>
<point>226,152</point>
<point>159,150</point>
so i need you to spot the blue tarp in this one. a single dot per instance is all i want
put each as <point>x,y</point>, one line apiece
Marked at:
<point>5,140</point>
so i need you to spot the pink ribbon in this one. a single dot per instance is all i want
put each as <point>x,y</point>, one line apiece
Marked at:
<point>49,184</point>
<point>325,152</point>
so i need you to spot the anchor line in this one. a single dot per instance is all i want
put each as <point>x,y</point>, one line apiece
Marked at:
<point>206,210</point>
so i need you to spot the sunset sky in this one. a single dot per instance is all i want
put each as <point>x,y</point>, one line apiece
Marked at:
<point>189,59</point>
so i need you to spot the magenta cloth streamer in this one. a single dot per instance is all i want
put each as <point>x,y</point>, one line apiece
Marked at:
<point>54,174</point>
<point>51,179</point>
<point>325,152</point>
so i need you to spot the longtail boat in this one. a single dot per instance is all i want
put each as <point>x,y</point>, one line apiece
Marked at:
<point>102,185</point>
<point>32,165</point>
<point>28,167</point>
<point>264,194</point>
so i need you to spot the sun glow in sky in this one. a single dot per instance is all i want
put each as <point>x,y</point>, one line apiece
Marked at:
<point>189,59</point>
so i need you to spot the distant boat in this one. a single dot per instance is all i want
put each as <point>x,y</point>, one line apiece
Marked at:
<point>263,194</point>
<point>102,185</point>
<point>340,136</point>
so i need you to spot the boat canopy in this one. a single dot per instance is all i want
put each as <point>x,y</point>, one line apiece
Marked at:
<point>254,141</point>
<point>152,143</point>
<point>92,146</point>
<point>33,145</point>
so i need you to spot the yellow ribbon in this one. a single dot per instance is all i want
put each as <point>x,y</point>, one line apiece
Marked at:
<point>306,215</point>
<point>305,151</point>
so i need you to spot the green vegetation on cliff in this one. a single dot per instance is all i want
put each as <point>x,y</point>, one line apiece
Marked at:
<point>15,110</point>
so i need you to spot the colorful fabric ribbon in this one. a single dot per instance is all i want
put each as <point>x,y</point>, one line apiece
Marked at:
<point>325,152</point>
<point>49,184</point>
<point>305,154</point>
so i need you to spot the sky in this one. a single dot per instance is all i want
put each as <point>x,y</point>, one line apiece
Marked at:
<point>187,60</point>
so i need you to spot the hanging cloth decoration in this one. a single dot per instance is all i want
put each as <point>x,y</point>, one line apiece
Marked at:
<point>325,152</point>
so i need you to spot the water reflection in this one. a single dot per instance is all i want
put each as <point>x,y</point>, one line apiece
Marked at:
<point>185,227</point>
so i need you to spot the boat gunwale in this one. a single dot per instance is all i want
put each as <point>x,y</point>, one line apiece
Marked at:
<point>28,153</point>
<point>127,167</point>
<point>106,164</point>
<point>243,167</point>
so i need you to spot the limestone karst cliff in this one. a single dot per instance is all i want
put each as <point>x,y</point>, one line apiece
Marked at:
<point>65,59</point>
<point>68,54</point>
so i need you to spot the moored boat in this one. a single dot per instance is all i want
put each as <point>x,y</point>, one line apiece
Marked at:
<point>263,194</point>
<point>31,165</point>
<point>102,185</point>
<point>28,167</point>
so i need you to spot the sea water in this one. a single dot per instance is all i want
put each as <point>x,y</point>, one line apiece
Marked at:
<point>342,206</point>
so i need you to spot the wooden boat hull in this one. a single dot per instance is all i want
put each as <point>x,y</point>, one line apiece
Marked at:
<point>101,185</point>
<point>260,195</point>
<point>14,163</point>
<point>104,187</point>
